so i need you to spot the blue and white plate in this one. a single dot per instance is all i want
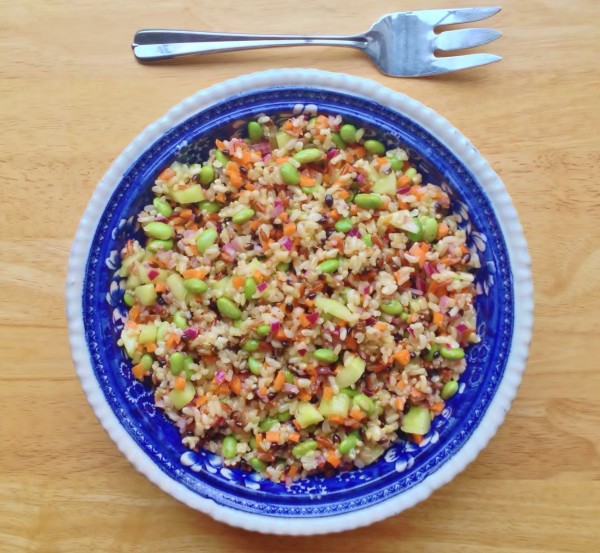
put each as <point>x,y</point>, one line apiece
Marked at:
<point>407,473</point>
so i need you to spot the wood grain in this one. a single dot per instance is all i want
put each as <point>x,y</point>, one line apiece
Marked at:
<point>72,97</point>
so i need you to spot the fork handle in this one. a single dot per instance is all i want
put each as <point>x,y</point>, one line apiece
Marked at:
<point>159,44</point>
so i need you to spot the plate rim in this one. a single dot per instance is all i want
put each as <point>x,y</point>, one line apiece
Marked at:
<point>510,226</point>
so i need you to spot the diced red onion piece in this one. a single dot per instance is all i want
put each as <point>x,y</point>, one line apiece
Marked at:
<point>229,250</point>
<point>220,376</point>
<point>462,328</point>
<point>235,244</point>
<point>275,326</point>
<point>152,274</point>
<point>332,152</point>
<point>420,284</point>
<point>277,210</point>
<point>360,178</point>
<point>191,333</point>
<point>313,317</point>
<point>404,190</point>
<point>286,243</point>
<point>262,287</point>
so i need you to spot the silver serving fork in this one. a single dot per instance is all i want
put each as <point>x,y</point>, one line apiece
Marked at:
<point>402,44</point>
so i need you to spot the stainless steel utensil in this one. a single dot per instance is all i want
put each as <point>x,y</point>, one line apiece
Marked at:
<point>402,44</point>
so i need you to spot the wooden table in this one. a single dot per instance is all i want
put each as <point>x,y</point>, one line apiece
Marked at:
<point>72,97</point>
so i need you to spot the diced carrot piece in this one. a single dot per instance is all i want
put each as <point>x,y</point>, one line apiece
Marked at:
<point>443,230</point>
<point>151,347</point>
<point>194,273</point>
<point>280,335</point>
<point>437,407</point>
<point>283,217</point>
<point>357,414</point>
<point>307,182</point>
<point>160,287</point>
<point>232,171</point>
<point>179,383</point>
<point>400,403</point>
<point>294,437</point>
<point>438,318</point>
<point>201,401</point>
<point>292,471</point>
<point>134,313</point>
<point>297,425</point>
<point>238,281</point>
<point>343,194</point>
<point>417,438</point>
<point>220,144</point>
<point>327,392</point>
<point>402,356</point>
<point>263,391</point>
<point>279,381</point>
<point>336,419</point>
<point>289,229</point>
<point>236,385</point>
<point>258,276</point>
<point>167,174</point>
<point>403,181</point>
<point>138,371</point>
<point>259,439</point>
<point>186,213</point>
<point>272,436</point>
<point>333,459</point>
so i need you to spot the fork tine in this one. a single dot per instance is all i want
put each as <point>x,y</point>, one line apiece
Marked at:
<point>465,38</point>
<point>455,63</point>
<point>461,15</point>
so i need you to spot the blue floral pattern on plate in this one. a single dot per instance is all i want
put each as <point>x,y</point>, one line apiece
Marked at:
<point>404,464</point>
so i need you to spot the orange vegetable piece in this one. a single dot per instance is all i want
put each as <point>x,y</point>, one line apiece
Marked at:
<point>138,371</point>
<point>179,383</point>
<point>438,318</point>
<point>289,229</point>
<point>167,174</point>
<point>272,436</point>
<point>238,281</point>
<point>236,385</point>
<point>402,356</point>
<point>333,459</point>
<point>279,381</point>
<point>294,437</point>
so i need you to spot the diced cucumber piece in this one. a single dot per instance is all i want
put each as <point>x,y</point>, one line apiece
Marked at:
<point>337,405</point>
<point>130,343</point>
<point>353,369</point>
<point>162,329</point>
<point>148,334</point>
<point>180,398</point>
<point>369,455</point>
<point>282,139</point>
<point>225,286</point>
<point>335,308</point>
<point>132,282</point>
<point>307,414</point>
<point>192,194</point>
<point>175,284</point>
<point>146,294</point>
<point>385,185</point>
<point>416,421</point>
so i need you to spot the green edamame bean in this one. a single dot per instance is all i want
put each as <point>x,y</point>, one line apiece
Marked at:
<point>283,266</point>
<point>221,158</point>
<point>257,464</point>
<point>129,299</point>
<point>430,354</point>
<point>162,231</point>
<point>309,155</point>
<point>367,240</point>
<point>289,377</point>
<point>411,173</point>
<point>349,392</point>
<point>337,139</point>
<point>252,442</point>
<point>417,235</point>
<point>368,201</point>
<point>303,448</point>
<point>344,225</point>
<point>228,309</point>
<point>237,324</point>
<point>449,389</point>
<point>176,362</point>
<point>229,447</point>
<point>430,228</point>
<point>254,365</point>
<point>251,344</point>
<point>326,355</point>
<point>195,285</point>
<point>395,163</point>
<point>206,174</point>
<point>146,361</point>
<point>206,239</point>
<point>348,133</point>
<point>163,207</point>
<point>452,353</point>
<point>329,266</point>
<point>364,403</point>
<point>255,131</point>
<point>158,245</point>
<point>375,147</point>
<point>243,216</point>
<point>284,417</point>
<point>180,320</point>
<point>348,443</point>
<point>393,307</point>
<point>289,173</point>
<point>210,207</point>
<point>249,288</point>
<point>267,424</point>
<point>263,330</point>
